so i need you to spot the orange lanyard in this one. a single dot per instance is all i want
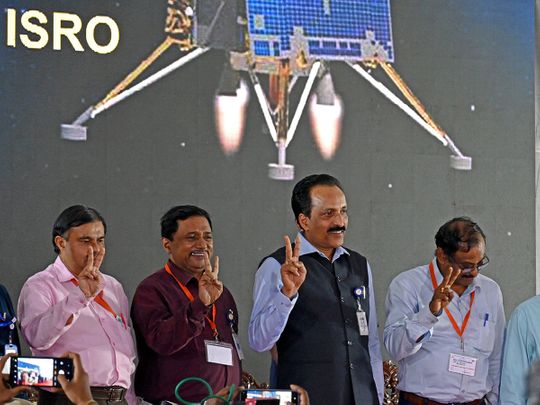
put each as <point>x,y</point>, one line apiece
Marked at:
<point>101,301</point>
<point>188,294</point>
<point>450,316</point>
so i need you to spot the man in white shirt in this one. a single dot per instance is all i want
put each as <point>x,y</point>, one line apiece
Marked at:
<point>445,323</point>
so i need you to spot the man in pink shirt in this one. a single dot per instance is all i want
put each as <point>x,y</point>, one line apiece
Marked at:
<point>72,306</point>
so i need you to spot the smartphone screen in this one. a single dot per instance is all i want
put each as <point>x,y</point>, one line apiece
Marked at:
<point>286,397</point>
<point>39,371</point>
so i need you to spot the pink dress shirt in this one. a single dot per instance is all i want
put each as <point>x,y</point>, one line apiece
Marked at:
<point>47,301</point>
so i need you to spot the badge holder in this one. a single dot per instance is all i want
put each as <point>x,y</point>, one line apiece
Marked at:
<point>219,352</point>
<point>236,340</point>
<point>9,348</point>
<point>360,293</point>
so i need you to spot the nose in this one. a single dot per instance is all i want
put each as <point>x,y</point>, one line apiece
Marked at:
<point>200,243</point>
<point>341,219</point>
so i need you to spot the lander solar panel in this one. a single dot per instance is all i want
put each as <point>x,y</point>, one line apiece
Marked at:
<point>324,29</point>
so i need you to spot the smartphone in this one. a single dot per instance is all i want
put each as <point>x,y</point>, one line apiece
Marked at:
<point>286,397</point>
<point>39,371</point>
<point>9,349</point>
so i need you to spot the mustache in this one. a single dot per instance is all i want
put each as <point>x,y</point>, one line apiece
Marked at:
<point>337,229</point>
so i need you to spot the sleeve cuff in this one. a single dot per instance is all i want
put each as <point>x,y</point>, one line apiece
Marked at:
<point>76,301</point>
<point>284,304</point>
<point>198,309</point>
<point>426,318</point>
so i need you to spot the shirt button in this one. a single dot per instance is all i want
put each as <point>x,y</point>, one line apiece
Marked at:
<point>342,299</point>
<point>339,279</point>
<point>347,322</point>
<point>349,342</point>
<point>351,365</point>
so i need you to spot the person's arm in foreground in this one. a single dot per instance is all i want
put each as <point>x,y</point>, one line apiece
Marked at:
<point>7,394</point>
<point>78,389</point>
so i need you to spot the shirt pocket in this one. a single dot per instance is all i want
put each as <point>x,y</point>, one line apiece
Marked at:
<point>485,336</point>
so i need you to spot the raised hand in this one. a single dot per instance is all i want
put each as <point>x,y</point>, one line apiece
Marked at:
<point>443,294</point>
<point>78,389</point>
<point>293,272</point>
<point>210,288</point>
<point>90,278</point>
<point>6,394</point>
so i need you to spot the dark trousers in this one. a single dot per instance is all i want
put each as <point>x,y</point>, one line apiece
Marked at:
<point>403,401</point>
<point>52,398</point>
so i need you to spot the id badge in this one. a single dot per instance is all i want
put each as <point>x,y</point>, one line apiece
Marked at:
<point>238,347</point>
<point>219,352</point>
<point>462,364</point>
<point>9,348</point>
<point>362,323</point>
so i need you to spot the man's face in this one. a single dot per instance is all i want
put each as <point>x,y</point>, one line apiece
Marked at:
<point>326,226</point>
<point>78,242</point>
<point>191,244</point>
<point>463,260</point>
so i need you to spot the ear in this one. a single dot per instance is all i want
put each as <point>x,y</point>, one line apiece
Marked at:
<point>166,243</point>
<point>60,242</point>
<point>303,222</point>
<point>441,256</point>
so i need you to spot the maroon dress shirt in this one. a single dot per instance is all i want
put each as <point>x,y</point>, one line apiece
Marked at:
<point>170,333</point>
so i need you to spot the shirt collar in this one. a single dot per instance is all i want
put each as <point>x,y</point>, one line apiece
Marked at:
<point>182,275</point>
<point>61,271</point>
<point>475,285</point>
<point>306,248</point>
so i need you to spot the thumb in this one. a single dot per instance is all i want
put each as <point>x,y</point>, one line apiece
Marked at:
<point>62,380</point>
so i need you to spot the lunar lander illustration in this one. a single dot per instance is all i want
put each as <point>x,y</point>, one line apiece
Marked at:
<point>283,40</point>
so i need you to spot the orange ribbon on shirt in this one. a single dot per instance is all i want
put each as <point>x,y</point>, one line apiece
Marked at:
<point>458,330</point>
<point>188,294</point>
<point>101,301</point>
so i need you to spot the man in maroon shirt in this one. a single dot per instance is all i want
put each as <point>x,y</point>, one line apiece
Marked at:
<point>184,318</point>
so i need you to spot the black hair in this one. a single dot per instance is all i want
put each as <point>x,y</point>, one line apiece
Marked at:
<point>301,198</point>
<point>460,233</point>
<point>74,216</point>
<point>169,221</point>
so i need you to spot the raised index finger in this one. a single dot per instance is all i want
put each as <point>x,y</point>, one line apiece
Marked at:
<point>446,278</point>
<point>207,264</point>
<point>453,276</point>
<point>90,259</point>
<point>288,248</point>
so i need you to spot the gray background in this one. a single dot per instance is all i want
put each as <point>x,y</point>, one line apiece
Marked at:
<point>159,149</point>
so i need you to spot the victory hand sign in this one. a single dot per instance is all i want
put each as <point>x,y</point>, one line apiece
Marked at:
<point>443,294</point>
<point>293,272</point>
<point>90,278</point>
<point>210,288</point>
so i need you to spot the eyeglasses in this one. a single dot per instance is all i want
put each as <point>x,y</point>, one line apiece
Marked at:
<point>481,265</point>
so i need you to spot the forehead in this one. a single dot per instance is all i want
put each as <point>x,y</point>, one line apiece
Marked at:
<point>193,224</point>
<point>90,229</point>
<point>327,196</point>
<point>474,255</point>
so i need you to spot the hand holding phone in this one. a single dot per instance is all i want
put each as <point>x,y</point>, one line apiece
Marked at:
<point>39,371</point>
<point>7,394</point>
<point>78,389</point>
<point>285,397</point>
